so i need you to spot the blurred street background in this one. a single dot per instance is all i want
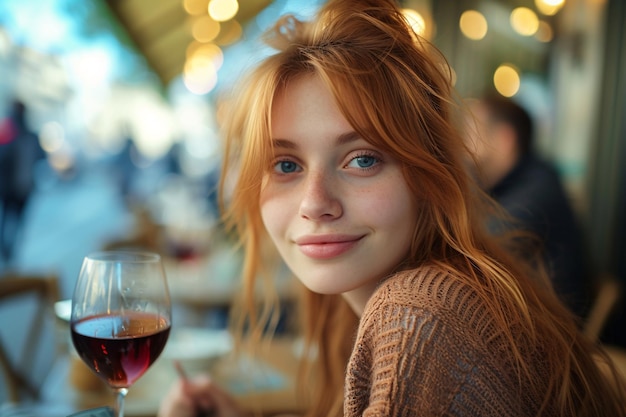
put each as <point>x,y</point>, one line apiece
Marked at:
<point>65,220</point>
<point>123,97</point>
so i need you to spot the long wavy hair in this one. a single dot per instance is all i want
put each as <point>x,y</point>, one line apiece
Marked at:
<point>395,89</point>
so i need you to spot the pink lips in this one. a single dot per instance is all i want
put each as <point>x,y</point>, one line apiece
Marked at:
<point>326,246</point>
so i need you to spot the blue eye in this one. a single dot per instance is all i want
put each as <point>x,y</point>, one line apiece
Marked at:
<point>286,167</point>
<point>364,161</point>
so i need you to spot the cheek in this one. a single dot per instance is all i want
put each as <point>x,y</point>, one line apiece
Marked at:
<point>390,202</point>
<point>396,217</point>
<point>400,215</point>
<point>266,215</point>
<point>273,214</point>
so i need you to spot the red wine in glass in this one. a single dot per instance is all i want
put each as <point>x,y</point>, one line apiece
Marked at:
<point>121,316</point>
<point>120,348</point>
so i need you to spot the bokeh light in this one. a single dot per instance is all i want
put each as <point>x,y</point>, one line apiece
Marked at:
<point>223,10</point>
<point>524,21</point>
<point>545,32</point>
<point>506,80</point>
<point>207,51</point>
<point>473,24</point>
<point>195,7</point>
<point>205,29</point>
<point>200,75</point>
<point>549,7</point>
<point>416,20</point>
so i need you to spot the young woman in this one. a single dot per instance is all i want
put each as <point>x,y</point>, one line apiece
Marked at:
<point>345,158</point>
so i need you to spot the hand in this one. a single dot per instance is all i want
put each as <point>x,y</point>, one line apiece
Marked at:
<point>197,397</point>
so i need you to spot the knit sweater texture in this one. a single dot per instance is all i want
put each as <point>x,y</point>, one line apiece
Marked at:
<point>427,345</point>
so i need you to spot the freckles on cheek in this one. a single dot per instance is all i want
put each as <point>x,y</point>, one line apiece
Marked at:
<point>388,207</point>
<point>378,201</point>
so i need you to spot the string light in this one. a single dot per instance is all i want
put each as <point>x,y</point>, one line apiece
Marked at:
<point>549,7</point>
<point>195,7</point>
<point>473,24</point>
<point>223,10</point>
<point>524,21</point>
<point>545,33</point>
<point>506,80</point>
<point>416,20</point>
<point>205,29</point>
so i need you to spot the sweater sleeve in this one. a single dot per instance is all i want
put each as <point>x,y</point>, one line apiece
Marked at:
<point>416,357</point>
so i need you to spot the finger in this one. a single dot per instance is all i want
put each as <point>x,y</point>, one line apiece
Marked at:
<point>224,402</point>
<point>210,396</point>
<point>177,403</point>
<point>200,389</point>
<point>222,397</point>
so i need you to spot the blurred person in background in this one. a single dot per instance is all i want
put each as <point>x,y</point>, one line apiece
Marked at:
<point>125,169</point>
<point>19,153</point>
<point>500,135</point>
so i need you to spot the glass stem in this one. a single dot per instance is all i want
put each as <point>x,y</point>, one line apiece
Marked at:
<point>121,395</point>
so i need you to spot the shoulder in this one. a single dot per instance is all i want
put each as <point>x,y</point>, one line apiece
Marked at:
<point>428,338</point>
<point>423,279</point>
<point>429,291</point>
<point>428,286</point>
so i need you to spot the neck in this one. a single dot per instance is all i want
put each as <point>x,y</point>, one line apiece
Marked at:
<point>358,298</point>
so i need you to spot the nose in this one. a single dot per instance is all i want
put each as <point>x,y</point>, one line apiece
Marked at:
<point>320,197</point>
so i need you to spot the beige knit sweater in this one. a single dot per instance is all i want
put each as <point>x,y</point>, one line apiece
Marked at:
<point>427,346</point>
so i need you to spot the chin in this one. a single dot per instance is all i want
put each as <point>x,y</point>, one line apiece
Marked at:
<point>326,284</point>
<point>321,288</point>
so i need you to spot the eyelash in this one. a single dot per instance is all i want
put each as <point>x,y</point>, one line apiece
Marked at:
<point>363,154</point>
<point>274,166</point>
<point>366,154</point>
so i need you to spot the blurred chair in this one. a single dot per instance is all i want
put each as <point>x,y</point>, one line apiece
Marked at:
<point>607,296</point>
<point>25,333</point>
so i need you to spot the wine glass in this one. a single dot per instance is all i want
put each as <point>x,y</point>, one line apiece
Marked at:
<point>121,316</point>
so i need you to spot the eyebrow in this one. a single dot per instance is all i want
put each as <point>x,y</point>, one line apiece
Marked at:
<point>348,137</point>
<point>342,139</point>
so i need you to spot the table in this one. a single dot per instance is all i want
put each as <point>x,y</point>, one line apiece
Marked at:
<point>215,279</point>
<point>263,384</point>
<point>203,289</point>
<point>210,275</point>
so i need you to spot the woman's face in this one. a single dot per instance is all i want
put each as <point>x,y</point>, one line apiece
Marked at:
<point>338,210</point>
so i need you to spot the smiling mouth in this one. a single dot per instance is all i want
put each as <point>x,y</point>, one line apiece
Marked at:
<point>327,249</point>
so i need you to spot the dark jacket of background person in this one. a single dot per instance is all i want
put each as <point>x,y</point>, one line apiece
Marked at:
<point>533,194</point>
<point>531,190</point>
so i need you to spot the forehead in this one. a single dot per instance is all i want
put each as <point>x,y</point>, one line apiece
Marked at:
<point>303,89</point>
<point>306,106</point>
